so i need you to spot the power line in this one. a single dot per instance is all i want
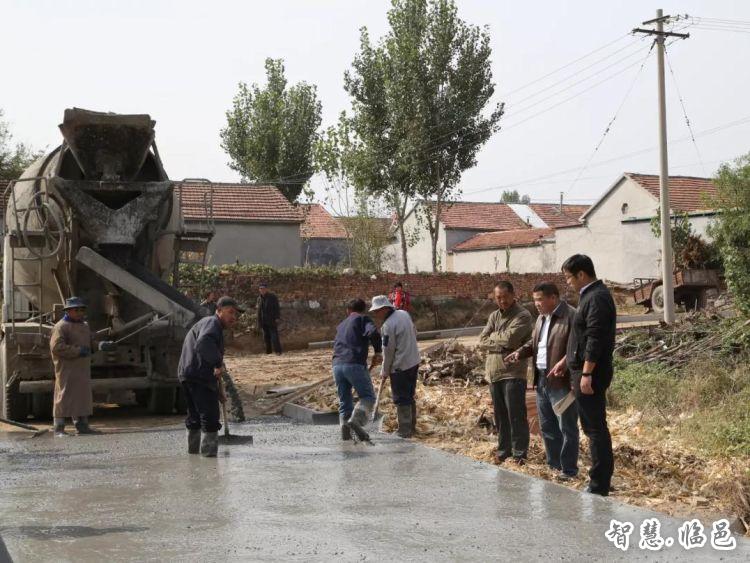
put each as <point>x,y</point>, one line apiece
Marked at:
<point>684,111</point>
<point>608,128</point>
<point>536,80</point>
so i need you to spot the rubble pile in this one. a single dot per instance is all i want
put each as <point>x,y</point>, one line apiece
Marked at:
<point>452,363</point>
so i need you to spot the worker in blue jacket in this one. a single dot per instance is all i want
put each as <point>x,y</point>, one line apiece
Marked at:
<point>199,372</point>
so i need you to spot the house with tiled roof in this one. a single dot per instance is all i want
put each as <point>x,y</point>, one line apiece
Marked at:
<point>464,221</point>
<point>325,240</point>
<point>616,230</point>
<point>252,224</point>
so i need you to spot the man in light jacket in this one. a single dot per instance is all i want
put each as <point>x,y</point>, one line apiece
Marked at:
<point>507,329</point>
<point>400,360</point>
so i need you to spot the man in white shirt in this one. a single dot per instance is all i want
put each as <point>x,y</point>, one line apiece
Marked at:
<point>548,348</point>
<point>400,360</point>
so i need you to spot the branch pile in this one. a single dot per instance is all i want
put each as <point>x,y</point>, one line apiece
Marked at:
<point>452,363</point>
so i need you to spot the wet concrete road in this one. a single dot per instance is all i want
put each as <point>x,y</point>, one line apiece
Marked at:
<point>297,494</point>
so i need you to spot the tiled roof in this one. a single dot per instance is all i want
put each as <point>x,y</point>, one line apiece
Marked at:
<point>480,216</point>
<point>237,202</point>
<point>503,239</point>
<point>550,213</point>
<point>319,223</point>
<point>686,193</point>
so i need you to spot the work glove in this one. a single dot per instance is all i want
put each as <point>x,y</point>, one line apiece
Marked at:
<point>107,346</point>
<point>84,352</point>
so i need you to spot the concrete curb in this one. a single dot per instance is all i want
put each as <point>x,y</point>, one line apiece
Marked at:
<point>309,416</point>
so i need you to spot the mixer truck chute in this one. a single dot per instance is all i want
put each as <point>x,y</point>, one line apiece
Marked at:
<point>98,218</point>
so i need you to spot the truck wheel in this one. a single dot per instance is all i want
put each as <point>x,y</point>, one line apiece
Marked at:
<point>41,405</point>
<point>162,400</point>
<point>15,405</point>
<point>657,299</point>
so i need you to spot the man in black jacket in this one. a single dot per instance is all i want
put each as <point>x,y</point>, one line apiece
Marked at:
<point>269,314</point>
<point>199,372</point>
<point>589,358</point>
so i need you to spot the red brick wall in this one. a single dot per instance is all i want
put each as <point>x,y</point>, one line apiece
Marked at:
<point>340,288</point>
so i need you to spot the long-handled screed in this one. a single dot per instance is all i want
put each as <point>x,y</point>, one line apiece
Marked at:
<point>378,418</point>
<point>34,429</point>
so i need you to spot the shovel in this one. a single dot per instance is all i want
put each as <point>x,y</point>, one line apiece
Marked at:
<point>34,429</point>
<point>227,438</point>
<point>377,418</point>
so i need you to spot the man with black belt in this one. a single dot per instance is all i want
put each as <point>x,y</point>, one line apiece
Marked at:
<point>507,329</point>
<point>400,361</point>
<point>547,347</point>
<point>589,358</point>
<point>354,336</point>
<point>269,315</point>
<point>199,372</point>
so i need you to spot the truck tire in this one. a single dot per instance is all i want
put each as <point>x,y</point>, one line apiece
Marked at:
<point>657,299</point>
<point>41,405</point>
<point>162,400</point>
<point>15,405</point>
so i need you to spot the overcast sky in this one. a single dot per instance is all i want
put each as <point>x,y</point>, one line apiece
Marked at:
<point>180,61</point>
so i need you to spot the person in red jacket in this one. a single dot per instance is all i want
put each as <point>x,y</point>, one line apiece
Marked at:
<point>400,297</point>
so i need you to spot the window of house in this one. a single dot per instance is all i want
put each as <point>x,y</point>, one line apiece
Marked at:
<point>624,208</point>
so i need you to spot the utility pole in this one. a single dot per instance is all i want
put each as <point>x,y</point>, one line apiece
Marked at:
<point>666,228</point>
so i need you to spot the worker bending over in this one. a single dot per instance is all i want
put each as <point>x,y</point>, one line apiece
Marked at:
<point>199,372</point>
<point>354,335</point>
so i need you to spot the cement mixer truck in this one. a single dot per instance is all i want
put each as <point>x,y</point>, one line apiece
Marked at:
<point>97,218</point>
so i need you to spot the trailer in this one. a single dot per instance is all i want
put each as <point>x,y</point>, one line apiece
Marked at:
<point>691,288</point>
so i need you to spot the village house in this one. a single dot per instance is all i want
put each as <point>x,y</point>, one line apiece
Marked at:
<point>325,241</point>
<point>253,224</point>
<point>462,222</point>
<point>615,232</point>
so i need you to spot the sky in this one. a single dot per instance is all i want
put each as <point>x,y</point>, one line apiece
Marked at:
<point>181,61</point>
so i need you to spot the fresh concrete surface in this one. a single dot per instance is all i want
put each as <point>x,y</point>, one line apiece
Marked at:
<point>297,494</point>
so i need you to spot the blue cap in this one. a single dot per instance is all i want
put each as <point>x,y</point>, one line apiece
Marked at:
<point>74,303</point>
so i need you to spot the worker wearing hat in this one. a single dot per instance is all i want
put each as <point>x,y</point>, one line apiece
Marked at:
<point>199,372</point>
<point>400,360</point>
<point>70,346</point>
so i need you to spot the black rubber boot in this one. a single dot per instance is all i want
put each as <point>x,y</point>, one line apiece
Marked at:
<point>403,413</point>
<point>358,421</point>
<point>346,431</point>
<point>82,427</point>
<point>194,441</point>
<point>209,444</point>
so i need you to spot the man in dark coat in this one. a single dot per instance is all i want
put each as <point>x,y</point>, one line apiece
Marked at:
<point>199,372</point>
<point>589,358</point>
<point>269,315</point>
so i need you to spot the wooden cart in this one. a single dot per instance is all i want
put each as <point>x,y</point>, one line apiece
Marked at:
<point>690,289</point>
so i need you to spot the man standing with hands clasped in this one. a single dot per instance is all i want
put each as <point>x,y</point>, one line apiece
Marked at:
<point>507,329</point>
<point>269,314</point>
<point>589,358</point>
<point>547,347</point>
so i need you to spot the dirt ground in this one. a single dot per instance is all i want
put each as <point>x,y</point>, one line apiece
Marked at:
<point>651,472</point>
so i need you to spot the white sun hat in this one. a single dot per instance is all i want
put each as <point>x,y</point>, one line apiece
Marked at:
<point>379,302</point>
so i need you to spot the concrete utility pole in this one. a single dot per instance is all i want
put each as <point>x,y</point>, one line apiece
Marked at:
<point>666,228</point>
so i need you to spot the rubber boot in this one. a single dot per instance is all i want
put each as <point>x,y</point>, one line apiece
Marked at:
<point>60,428</point>
<point>209,444</point>
<point>414,418</point>
<point>358,421</point>
<point>82,426</point>
<point>346,431</point>
<point>194,441</point>
<point>403,413</point>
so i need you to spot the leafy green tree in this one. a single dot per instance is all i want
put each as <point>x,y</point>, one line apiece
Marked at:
<point>732,231</point>
<point>512,196</point>
<point>14,158</point>
<point>271,130</point>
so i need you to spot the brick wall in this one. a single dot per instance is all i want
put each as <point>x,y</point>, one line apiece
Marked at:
<point>341,288</point>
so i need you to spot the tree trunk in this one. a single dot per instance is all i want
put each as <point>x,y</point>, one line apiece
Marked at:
<point>404,253</point>
<point>434,234</point>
